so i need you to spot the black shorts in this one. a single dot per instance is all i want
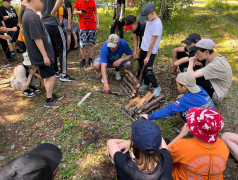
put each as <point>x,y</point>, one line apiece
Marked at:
<point>14,35</point>
<point>47,71</point>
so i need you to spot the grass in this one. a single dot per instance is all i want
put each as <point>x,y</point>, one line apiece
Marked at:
<point>82,132</point>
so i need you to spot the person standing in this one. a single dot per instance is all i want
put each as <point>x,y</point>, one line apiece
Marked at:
<point>51,22</point>
<point>88,17</point>
<point>67,20</point>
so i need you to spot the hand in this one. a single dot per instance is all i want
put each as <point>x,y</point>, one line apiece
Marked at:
<point>197,63</point>
<point>6,37</point>
<point>5,17</point>
<point>47,61</point>
<point>54,14</point>
<point>98,25</point>
<point>184,130</point>
<point>193,59</point>
<point>33,70</point>
<point>181,95</point>
<point>146,60</point>
<point>175,70</point>
<point>106,88</point>
<point>82,12</point>
<point>117,63</point>
<point>145,116</point>
<point>126,144</point>
<point>69,28</point>
<point>14,29</point>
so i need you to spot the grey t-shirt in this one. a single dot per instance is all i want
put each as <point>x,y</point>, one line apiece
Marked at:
<point>33,28</point>
<point>46,13</point>
<point>219,73</point>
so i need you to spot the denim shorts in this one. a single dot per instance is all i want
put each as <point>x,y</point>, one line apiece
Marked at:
<point>110,64</point>
<point>87,37</point>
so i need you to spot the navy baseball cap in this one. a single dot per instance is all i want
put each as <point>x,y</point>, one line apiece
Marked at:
<point>192,38</point>
<point>145,11</point>
<point>39,163</point>
<point>146,136</point>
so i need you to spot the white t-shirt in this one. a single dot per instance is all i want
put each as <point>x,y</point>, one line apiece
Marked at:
<point>153,28</point>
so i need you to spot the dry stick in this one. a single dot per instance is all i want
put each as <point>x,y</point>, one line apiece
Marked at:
<point>151,108</point>
<point>131,80</point>
<point>133,77</point>
<point>124,89</point>
<point>112,92</point>
<point>152,103</point>
<point>127,88</point>
<point>129,85</point>
<point>132,102</point>
<point>125,112</point>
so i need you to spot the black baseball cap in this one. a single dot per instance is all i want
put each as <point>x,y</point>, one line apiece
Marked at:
<point>146,136</point>
<point>129,21</point>
<point>39,163</point>
<point>192,38</point>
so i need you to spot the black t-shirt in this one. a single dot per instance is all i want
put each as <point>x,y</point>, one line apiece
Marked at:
<point>67,4</point>
<point>33,28</point>
<point>140,31</point>
<point>128,170</point>
<point>12,21</point>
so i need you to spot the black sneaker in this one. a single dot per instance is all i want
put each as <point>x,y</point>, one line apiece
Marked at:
<point>20,51</point>
<point>11,59</point>
<point>57,98</point>
<point>57,74</point>
<point>82,64</point>
<point>35,90</point>
<point>52,103</point>
<point>90,62</point>
<point>28,93</point>
<point>66,78</point>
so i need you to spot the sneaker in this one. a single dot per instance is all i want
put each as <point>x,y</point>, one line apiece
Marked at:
<point>13,53</point>
<point>156,91</point>
<point>52,103</point>
<point>58,74</point>
<point>57,98</point>
<point>66,78</point>
<point>28,93</point>
<point>11,59</point>
<point>35,90</point>
<point>82,64</point>
<point>90,62</point>
<point>117,75</point>
<point>143,88</point>
<point>20,51</point>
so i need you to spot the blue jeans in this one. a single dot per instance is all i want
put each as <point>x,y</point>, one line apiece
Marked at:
<point>110,64</point>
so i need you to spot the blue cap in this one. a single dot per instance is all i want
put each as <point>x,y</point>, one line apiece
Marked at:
<point>146,136</point>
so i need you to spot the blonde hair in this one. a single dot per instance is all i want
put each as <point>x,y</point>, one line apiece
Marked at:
<point>145,161</point>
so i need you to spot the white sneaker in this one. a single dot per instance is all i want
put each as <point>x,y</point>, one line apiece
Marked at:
<point>118,76</point>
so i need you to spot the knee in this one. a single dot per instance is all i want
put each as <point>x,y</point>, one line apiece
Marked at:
<point>97,66</point>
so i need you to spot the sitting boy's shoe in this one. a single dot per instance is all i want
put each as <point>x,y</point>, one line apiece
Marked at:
<point>82,64</point>
<point>117,75</point>
<point>143,88</point>
<point>66,78</point>
<point>20,51</point>
<point>58,74</point>
<point>35,90</point>
<point>13,53</point>
<point>156,91</point>
<point>57,98</point>
<point>28,93</point>
<point>52,103</point>
<point>90,62</point>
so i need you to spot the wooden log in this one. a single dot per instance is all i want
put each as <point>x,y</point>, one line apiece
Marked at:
<point>128,89</point>
<point>125,90</point>
<point>112,92</point>
<point>130,80</point>
<point>133,78</point>
<point>153,102</point>
<point>129,85</point>
<point>151,108</point>
<point>132,102</point>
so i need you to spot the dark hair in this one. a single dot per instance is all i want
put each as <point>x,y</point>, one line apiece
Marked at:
<point>203,50</point>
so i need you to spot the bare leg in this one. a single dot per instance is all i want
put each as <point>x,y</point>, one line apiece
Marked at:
<point>68,41</point>
<point>83,52</point>
<point>49,86</point>
<point>10,44</point>
<point>97,66</point>
<point>231,140</point>
<point>75,39</point>
<point>90,50</point>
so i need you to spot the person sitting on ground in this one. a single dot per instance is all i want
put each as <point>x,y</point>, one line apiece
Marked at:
<point>191,95</point>
<point>216,76</point>
<point>149,46</point>
<point>205,155</point>
<point>149,158</point>
<point>181,55</point>
<point>40,50</point>
<point>138,29</point>
<point>41,162</point>
<point>111,57</point>
<point>231,140</point>
<point>25,78</point>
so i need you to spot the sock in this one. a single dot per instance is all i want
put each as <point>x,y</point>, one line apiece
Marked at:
<point>63,74</point>
<point>48,99</point>
<point>83,59</point>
